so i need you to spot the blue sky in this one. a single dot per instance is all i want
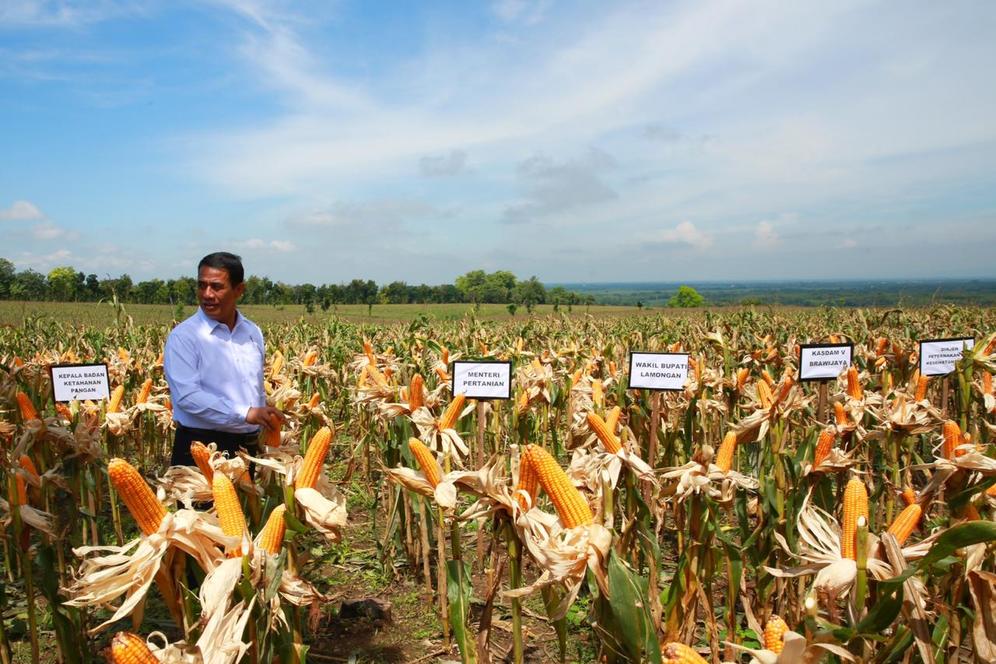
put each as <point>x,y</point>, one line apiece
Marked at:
<point>574,141</point>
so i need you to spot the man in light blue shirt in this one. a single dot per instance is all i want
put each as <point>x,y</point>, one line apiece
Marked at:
<point>214,367</point>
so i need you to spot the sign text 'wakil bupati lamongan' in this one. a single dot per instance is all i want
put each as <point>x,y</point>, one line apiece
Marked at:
<point>823,361</point>
<point>658,371</point>
<point>76,382</point>
<point>938,356</point>
<point>483,379</point>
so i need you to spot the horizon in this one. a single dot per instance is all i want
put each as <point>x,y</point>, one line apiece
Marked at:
<point>628,143</point>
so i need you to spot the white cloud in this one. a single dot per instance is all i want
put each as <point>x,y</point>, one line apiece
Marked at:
<point>21,211</point>
<point>525,11</point>
<point>47,231</point>
<point>453,163</point>
<point>848,243</point>
<point>765,235</point>
<point>683,233</point>
<point>283,246</point>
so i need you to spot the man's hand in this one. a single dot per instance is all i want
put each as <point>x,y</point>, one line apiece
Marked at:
<point>266,416</point>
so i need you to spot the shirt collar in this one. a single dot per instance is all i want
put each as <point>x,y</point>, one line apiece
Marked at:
<point>211,323</point>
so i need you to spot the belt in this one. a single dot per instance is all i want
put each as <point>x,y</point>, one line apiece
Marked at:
<point>250,436</point>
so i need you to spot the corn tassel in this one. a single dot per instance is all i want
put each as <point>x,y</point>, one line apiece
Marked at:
<point>114,404</point>
<point>906,522</point>
<point>128,648</point>
<point>774,634</point>
<point>724,458</point>
<point>679,653</point>
<point>136,495</point>
<point>571,506</point>
<point>426,461</point>
<point>452,412</point>
<point>202,456</point>
<point>855,505</point>
<point>271,538</point>
<point>609,440</point>
<point>27,408</point>
<point>314,459</point>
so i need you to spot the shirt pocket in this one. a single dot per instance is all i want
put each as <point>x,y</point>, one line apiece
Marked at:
<point>249,359</point>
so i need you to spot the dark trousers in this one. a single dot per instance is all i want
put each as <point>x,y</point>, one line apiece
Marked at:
<point>225,440</point>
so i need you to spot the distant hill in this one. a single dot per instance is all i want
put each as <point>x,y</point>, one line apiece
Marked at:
<point>846,293</point>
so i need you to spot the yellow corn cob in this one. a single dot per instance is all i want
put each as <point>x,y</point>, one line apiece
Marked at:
<point>952,439</point>
<point>64,412</point>
<point>313,402</point>
<point>522,402</point>
<point>855,505</point>
<point>571,506</point>
<point>597,393</point>
<point>28,411</point>
<point>783,392</point>
<point>314,459</point>
<point>612,367</point>
<point>528,481</point>
<point>921,387</point>
<point>271,436</point>
<point>575,377</point>
<point>310,359</point>
<point>764,394</point>
<point>123,355</point>
<point>114,404</point>
<point>854,389</point>
<point>823,446</point>
<point>909,496</point>
<point>226,503</point>
<point>369,351</point>
<point>609,440</point>
<point>767,378</point>
<point>277,364</point>
<point>612,419</point>
<point>742,374</point>
<point>416,397</point>
<point>271,539</point>
<point>201,455</point>
<point>906,522</point>
<point>724,458</point>
<point>426,461</point>
<point>442,374</point>
<point>881,346</point>
<point>774,634</point>
<point>444,355</point>
<point>143,394</point>
<point>449,417</point>
<point>376,375</point>
<point>679,653</point>
<point>136,495</point>
<point>839,413</point>
<point>987,383</point>
<point>128,648</point>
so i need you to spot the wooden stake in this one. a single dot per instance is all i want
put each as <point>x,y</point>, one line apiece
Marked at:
<point>821,409</point>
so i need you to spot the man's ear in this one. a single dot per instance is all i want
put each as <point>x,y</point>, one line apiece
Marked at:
<point>239,290</point>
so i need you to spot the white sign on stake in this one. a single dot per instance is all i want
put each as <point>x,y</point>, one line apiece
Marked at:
<point>938,356</point>
<point>666,372</point>
<point>484,379</point>
<point>823,361</point>
<point>76,382</point>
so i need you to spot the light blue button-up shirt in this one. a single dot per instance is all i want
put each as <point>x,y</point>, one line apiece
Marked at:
<point>215,375</point>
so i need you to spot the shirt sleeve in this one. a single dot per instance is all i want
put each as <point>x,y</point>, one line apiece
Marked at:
<point>183,377</point>
<point>261,396</point>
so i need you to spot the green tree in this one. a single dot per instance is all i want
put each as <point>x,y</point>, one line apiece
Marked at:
<point>7,274</point>
<point>686,297</point>
<point>62,283</point>
<point>530,293</point>
<point>28,285</point>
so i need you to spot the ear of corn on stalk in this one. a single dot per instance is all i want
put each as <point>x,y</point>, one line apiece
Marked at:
<point>774,634</point>
<point>114,404</point>
<point>724,458</point>
<point>27,408</point>
<point>271,538</point>
<point>314,459</point>
<point>854,389</point>
<point>609,440</point>
<point>147,511</point>
<point>906,522</point>
<point>679,653</point>
<point>823,446</point>
<point>952,439</point>
<point>452,412</point>
<point>226,503</point>
<point>528,481</point>
<point>128,648</point>
<point>426,461</point>
<point>571,506</point>
<point>143,394</point>
<point>415,392</point>
<point>202,456</point>
<point>921,387</point>
<point>855,505</point>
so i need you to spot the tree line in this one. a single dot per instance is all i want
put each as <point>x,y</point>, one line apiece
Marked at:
<point>66,284</point>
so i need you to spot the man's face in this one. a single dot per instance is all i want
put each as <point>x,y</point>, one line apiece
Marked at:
<point>216,294</point>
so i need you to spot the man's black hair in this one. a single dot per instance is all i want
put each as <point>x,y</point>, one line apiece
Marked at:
<point>222,260</point>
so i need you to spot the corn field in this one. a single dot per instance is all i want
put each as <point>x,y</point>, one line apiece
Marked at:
<point>749,517</point>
